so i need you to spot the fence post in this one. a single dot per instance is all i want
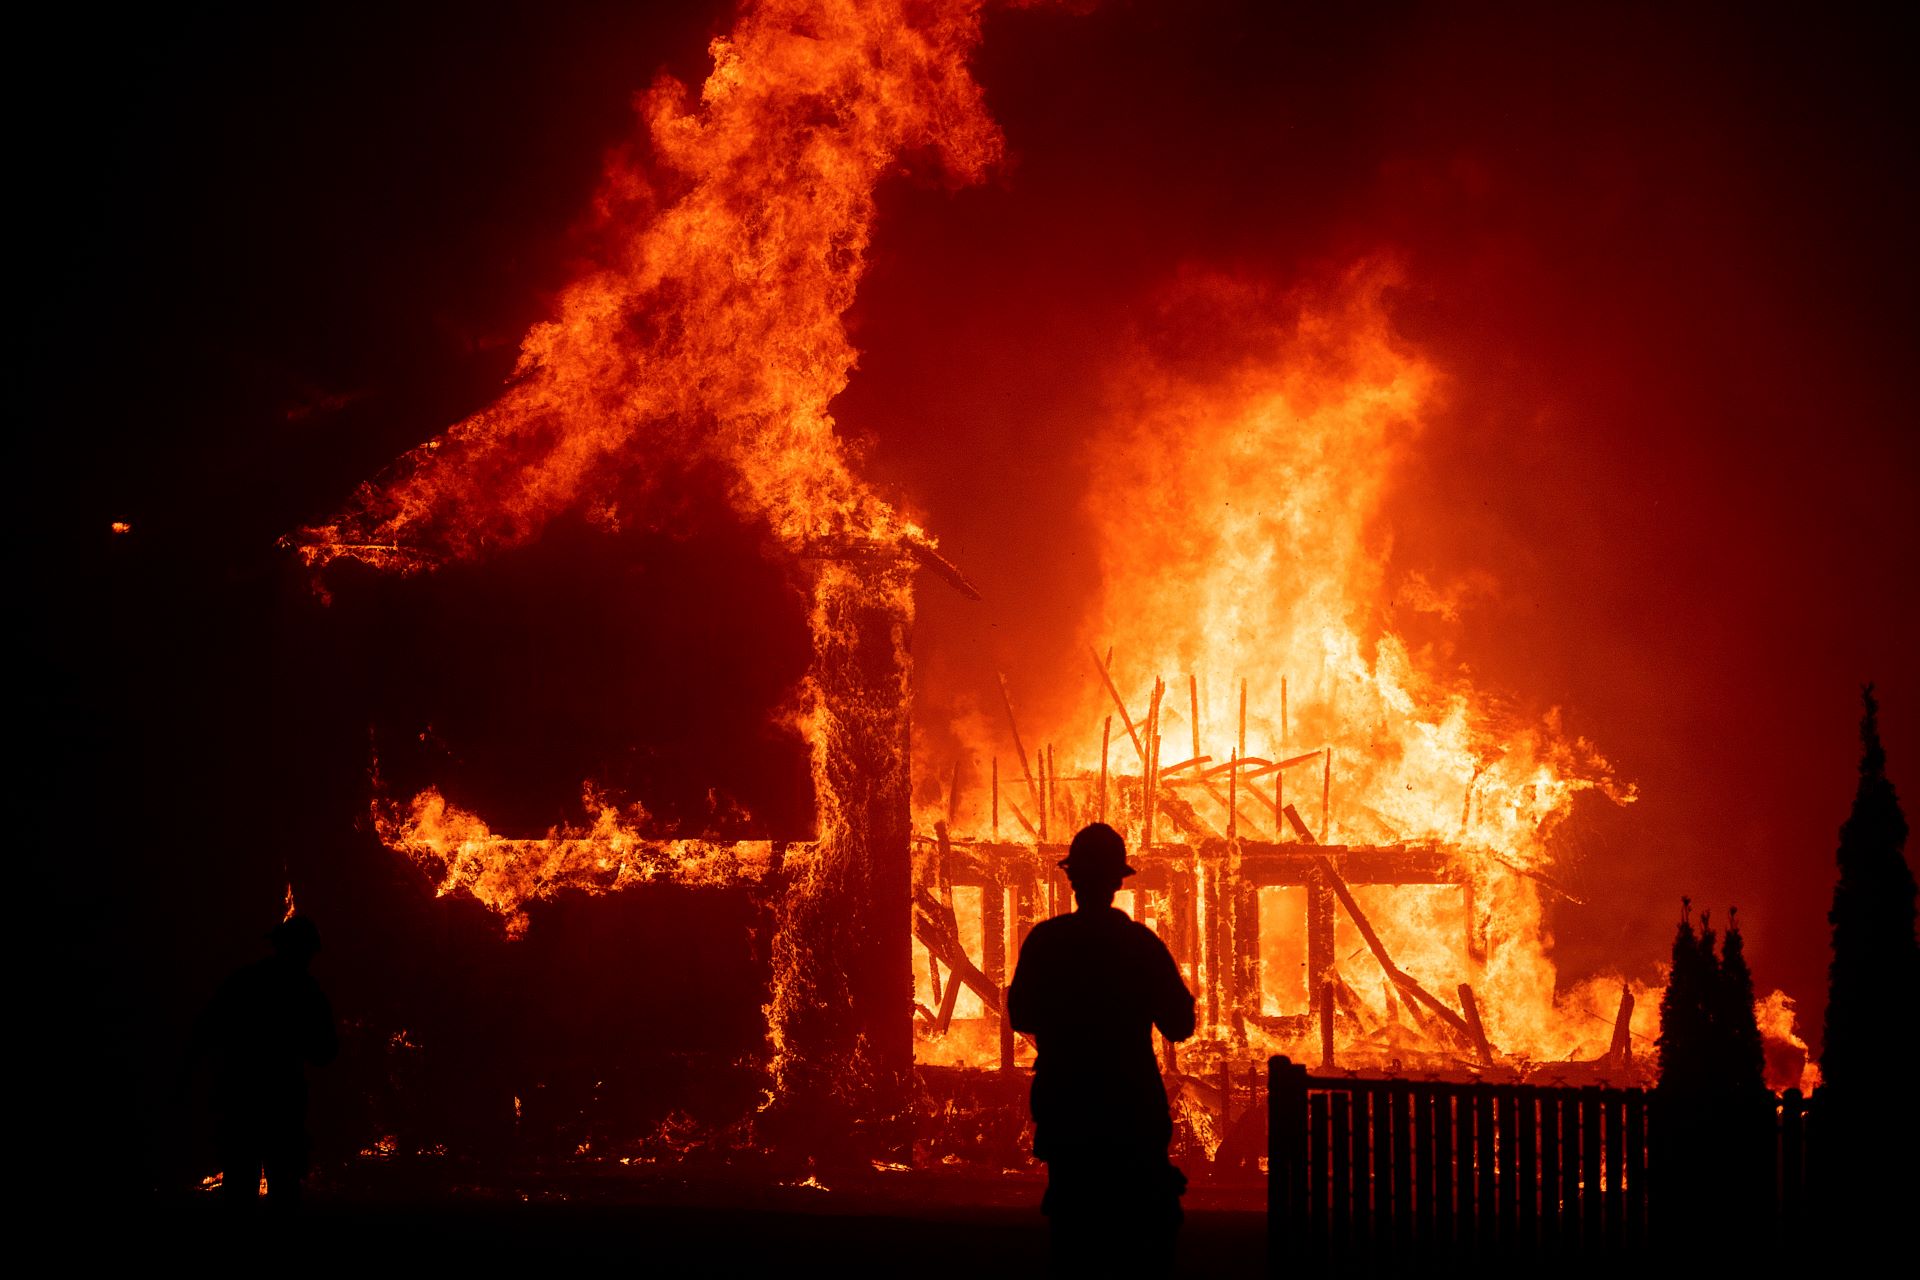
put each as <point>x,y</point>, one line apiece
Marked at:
<point>1793,1135</point>
<point>1286,1161</point>
<point>1637,1161</point>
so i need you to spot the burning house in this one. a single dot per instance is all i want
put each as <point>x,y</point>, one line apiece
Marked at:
<point>1345,843</point>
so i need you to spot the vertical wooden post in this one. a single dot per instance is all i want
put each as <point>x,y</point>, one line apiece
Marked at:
<point>1046,791</point>
<point>1318,1181</point>
<point>1341,1167</point>
<point>1400,1096</point>
<point>1106,733</point>
<point>993,956</point>
<point>1466,1185</point>
<point>1325,997</point>
<point>953,793</point>
<point>1214,935</point>
<point>1364,1216</point>
<point>1150,767</point>
<point>1793,1147</point>
<point>1193,711</point>
<point>1426,1176</point>
<point>1240,740</point>
<point>1180,905</point>
<point>1286,1160</point>
<point>1233,799</point>
<point>1549,1174</point>
<point>1385,1195</point>
<point>1019,747</point>
<point>1447,1176</point>
<point>1570,1224</point>
<point>1246,946</point>
<point>1614,1139</point>
<point>1022,913</point>
<point>996,798</point>
<point>1470,1010</point>
<point>1280,833</point>
<point>1591,1232</point>
<point>1326,801</point>
<point>1053,784</point>
<point>1485,1193</point>
<point>1284,736</point>
<point>1509,1121</point>
<point>1529,1172</point>
<point>1320,959</point>
<point>1636,1163</point>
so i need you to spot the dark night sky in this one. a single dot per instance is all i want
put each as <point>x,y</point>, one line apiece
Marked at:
<point>1664,260</point>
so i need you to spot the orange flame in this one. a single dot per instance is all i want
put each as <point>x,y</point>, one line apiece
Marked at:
<point>1239,502</point>
<point>713,328</point>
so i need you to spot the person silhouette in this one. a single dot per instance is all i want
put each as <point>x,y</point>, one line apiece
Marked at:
<point>1089,987</point>
<point>265,1024</point>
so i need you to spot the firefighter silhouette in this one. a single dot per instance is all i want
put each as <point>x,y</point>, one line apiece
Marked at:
<point>264,1026</point>
<point>1089,988</point>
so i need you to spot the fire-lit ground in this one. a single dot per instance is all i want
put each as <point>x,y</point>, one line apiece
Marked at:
<point>1428,484</point>
<point>574,1224</point>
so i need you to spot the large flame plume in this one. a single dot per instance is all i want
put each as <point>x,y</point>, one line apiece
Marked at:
<point>712,329</point>
<point>711,332</point>
<point>1241,504</point>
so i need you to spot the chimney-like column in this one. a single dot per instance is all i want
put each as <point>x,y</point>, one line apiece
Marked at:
<point>841,1010</point>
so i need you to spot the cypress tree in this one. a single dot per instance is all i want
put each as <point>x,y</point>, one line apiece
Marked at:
<point>1685,1025</point>
<point>1874,982</point>
<point>1742,1065</point>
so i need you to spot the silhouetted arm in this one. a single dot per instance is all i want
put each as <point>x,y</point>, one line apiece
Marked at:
<point>1024,1004</point>
<point>1172,1002</point>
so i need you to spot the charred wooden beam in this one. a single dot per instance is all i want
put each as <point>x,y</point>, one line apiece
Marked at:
<point>1126,717</point>
<point>948,948</point>
<point>1621,1051</point>
<point>1404,981</point>
<point>948,572</point>
<point>1477,1031</point>
<point>953,793</point>
<point>1006,700</point>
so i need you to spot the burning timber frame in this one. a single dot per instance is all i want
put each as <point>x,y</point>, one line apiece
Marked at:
<point>1204,890</point>
<point>1210,919</point>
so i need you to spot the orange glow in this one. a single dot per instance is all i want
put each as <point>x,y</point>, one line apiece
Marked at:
<point>1244,476</point>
